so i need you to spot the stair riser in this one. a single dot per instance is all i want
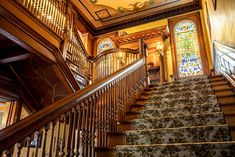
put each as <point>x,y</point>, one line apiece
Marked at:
<point>216,79</point>
<point>232,134</point>
<point>181,95</point>
<point>225,100</point>
<point>108,153</point>
<point>221,87</point>
<point>132,116</point>
<point>180,111</point>
<point>174,86</point>
<point>182,102</point>
<point>175,122</point>
<point>216,150</point>
<point>114,140</point>
<point>188,111</point>
<point>180,135</point>
<point>125,127</point>
<point>180,87</point>
<point>137,109</point>
<point>230,119</point>
<point>218,83</point>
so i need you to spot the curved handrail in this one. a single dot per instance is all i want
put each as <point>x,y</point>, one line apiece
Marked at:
<point>20,130</point>
<point>113,50</point>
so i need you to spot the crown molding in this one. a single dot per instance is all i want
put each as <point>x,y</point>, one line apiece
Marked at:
<point>196,5</point>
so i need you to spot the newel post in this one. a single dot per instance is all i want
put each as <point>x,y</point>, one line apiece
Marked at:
<point>144,53</point>
<point>91,69</point>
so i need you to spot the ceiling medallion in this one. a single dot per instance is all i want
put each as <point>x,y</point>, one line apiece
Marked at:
<point>124,5</point>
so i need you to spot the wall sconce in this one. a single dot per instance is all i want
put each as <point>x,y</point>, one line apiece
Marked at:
<point>159,48</point>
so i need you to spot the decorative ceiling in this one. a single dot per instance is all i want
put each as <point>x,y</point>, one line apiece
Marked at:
<point>102,15</point>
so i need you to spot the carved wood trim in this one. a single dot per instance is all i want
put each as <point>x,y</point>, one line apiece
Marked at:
<point>106,52</point>
<point>134,37</point>
<point>196,5</point>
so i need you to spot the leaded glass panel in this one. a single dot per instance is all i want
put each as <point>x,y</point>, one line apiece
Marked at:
<point>187,48</point>
<point>104,44</point>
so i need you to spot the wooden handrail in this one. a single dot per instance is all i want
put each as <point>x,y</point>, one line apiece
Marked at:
<point>112,60</point>
<point>113,50</point>
<point>101,104</point>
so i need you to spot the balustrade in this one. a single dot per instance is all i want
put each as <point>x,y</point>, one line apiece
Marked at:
<point>50,12</point>
<point>224,61</point>
<point>77,124</point>
<point>78,59</point>
<point>113,60</point>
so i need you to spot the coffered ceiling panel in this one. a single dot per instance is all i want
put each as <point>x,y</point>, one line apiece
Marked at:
<point>102,14</point>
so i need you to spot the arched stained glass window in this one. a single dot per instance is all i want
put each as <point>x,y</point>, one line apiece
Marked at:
<point>187,49</point>
<point>105,44</point>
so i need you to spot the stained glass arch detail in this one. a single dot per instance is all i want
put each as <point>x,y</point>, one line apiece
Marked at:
<point>189,61</point>
<point>104,44</point>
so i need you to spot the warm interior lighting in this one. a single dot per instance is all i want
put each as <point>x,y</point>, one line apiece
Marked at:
<point>159,46</point>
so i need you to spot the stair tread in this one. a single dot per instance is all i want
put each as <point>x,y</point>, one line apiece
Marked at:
<point>189,115</point>
<point>178,144</point>
<point>178,128</point>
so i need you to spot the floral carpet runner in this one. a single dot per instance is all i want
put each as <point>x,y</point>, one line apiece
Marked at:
<point>181,119</point>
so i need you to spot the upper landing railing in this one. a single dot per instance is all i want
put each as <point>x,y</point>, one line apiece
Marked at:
<point>224,61</point>
<point>60,19</point>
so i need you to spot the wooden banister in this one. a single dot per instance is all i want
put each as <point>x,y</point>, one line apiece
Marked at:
<point>114,50</point>
<point>224,61</point>
<point>76,124</point>
<point>112,60</point>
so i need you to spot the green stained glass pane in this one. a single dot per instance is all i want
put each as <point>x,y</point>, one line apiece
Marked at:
<point>187,48</point>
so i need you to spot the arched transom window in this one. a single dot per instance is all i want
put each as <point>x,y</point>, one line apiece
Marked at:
<point>104,44</point>
<point>187,49</point>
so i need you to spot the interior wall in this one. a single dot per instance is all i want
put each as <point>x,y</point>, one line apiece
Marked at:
<point>221,20</point>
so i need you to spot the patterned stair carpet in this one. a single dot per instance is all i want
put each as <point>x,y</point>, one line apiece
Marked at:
<point>180,119</point>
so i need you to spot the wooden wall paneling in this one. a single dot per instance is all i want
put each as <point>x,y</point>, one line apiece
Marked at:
<point>29,100</point>
<point>41,80</point>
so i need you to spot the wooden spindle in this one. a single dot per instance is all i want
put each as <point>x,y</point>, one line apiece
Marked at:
<point>68,134</point>
<point>19,148</point>
<point>44,141</point>
<point>73,132</point>
<point>51,138</point>
<point>36,143</point>
<point>57,138</point>
<point>27,144</point>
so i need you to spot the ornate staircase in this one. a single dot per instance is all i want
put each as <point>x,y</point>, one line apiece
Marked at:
<point>191,117</point>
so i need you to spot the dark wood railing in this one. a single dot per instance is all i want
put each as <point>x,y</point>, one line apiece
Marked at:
<point>77,58</point>
<point>51,12</point>
<point>77,124</point>
<point>224,61</point>
<point>112,60</point>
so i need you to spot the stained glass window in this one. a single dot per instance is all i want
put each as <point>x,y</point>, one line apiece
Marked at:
<point>187,48</point>
<point>105,44</point>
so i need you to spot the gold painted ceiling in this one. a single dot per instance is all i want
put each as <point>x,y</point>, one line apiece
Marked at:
<point>105,13</point>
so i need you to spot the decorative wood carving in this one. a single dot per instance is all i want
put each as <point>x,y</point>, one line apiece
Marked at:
<point>148,34</point>
<point>118,26</point>
<point>40,79</point>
